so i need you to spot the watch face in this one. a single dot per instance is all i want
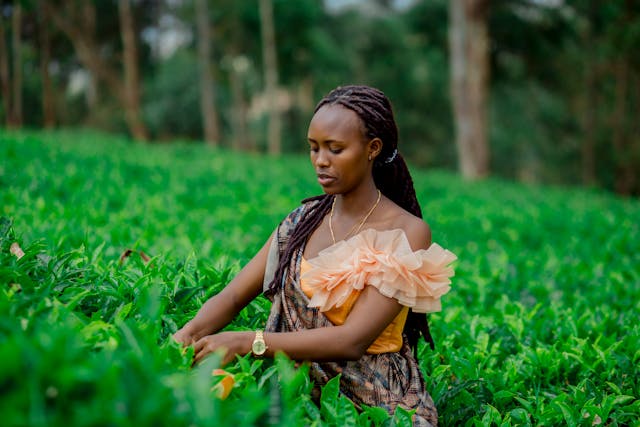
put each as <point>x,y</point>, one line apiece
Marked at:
<point>258,347</point>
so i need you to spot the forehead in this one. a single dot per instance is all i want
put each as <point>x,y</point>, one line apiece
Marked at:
<point>335,122</point>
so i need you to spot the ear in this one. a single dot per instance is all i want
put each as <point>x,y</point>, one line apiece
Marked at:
<point>375,147</point>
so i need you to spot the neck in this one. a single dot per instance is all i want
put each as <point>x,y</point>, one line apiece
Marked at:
<point>357,201</point>
<point>358,224</point>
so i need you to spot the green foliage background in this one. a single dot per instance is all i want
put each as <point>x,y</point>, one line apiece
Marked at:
<point>540,328</point>
<point>564,86</point>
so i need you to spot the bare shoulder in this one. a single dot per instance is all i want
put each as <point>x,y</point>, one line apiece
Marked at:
<point>416,229</point>
<point>418,233</point>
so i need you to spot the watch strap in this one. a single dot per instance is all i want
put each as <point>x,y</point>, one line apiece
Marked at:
<point>258,347</point>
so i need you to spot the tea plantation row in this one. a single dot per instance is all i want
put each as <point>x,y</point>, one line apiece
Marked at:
<point>541,326</point>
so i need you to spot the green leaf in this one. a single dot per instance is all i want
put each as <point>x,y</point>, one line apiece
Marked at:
<point>402,417</point>
<point>329,399</point>
<point>520,416</point>
<point>373,415</point>
<point>567,413</point>
<point>491,416</point>
<point>622,400</point>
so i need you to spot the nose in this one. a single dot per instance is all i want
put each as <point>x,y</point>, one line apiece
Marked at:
<point>321,158</point>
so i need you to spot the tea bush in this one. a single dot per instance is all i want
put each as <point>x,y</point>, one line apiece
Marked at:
<point>540,328</point>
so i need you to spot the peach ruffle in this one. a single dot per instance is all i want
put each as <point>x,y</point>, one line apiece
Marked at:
<point>383,259</point>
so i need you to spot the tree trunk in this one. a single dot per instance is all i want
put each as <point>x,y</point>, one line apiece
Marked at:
<point>5,84</point>
<point>48,105</point>
<point>207,85</point>
<point>274,143</point>
<point>92,96</point>
<point>589,100</point>
<point>624,175</point>
<point>16,110</point>
<point>131,96</point>
<point>589,121</point>
<point>84,44</point>
<point>468,42</point>
<point>304,94</point>
<point>626,163</point>
<point>74,24</point>
<point>241,140</point>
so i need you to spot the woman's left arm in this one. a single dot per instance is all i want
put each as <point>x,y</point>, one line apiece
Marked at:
<point>370,315</point>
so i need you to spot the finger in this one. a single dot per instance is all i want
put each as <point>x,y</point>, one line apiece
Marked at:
<point>228,358</point>
<point>200,354</point>
<point>199,345</point>
<point>179,339</point>
<point>196,358</point>
<point>203,350</point>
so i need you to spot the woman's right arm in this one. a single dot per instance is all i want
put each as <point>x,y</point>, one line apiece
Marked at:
<point>222,308</point>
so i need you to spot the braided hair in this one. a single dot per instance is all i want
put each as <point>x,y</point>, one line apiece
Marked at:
<point>390,174</point>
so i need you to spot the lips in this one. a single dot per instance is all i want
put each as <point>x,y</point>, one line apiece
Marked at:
<point>324,179</point>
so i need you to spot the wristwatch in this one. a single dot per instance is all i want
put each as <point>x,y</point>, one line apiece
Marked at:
<point>258,347</point>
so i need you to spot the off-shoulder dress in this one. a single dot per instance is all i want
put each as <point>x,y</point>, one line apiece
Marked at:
<point>321,291</point>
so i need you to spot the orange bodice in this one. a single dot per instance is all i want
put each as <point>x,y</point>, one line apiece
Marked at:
<point>390,340</point>
<point>417,279</point>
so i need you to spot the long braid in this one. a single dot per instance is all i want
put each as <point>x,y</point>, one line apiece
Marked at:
<point>307,225</point>
<point>390,174</point>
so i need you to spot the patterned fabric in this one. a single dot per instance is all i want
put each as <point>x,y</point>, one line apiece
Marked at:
<point>385,380</point>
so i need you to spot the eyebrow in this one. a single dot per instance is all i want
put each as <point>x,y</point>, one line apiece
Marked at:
<point>328,141</point>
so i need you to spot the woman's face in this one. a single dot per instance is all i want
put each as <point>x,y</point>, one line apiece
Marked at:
<point>338,150</point>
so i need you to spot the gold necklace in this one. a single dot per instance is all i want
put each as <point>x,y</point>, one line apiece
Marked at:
<point>364,219</point>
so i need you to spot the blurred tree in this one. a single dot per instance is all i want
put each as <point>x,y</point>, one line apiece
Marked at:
<point>5,84</point>
<point>270,69</point>
<point>419,83</point>
<point>591,73</point>
<point>93,90</point>
<point>559,75</point>
<point>48,105</point>
<point>207,84</point>
<point>532,132</point>
<point>26,93</point>
<point>238,67</point>
<point>131,89</point>
<point>15,112</point>
<point>624,33</point>
<point>469,50</point>
<point>565,75</point>
<point>237,25</point>
<point>174,107</point>
<point>77,22</point>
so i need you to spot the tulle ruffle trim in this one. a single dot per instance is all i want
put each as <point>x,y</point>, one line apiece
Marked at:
<point>383,259</point>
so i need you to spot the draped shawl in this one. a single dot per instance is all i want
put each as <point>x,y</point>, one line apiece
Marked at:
<point>385,380</point>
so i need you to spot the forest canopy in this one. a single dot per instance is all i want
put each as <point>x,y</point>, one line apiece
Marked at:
<point>562,77</point>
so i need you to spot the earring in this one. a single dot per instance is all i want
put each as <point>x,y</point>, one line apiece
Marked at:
<point>369,157</point>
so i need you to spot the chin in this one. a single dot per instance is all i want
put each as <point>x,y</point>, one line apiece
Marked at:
<point>330,190</point>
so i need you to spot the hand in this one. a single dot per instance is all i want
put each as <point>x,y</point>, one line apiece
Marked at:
<point>232,343</point>
<point>184,337</point>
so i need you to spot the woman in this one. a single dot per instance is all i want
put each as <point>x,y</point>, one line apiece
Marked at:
<point>348,272</point>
